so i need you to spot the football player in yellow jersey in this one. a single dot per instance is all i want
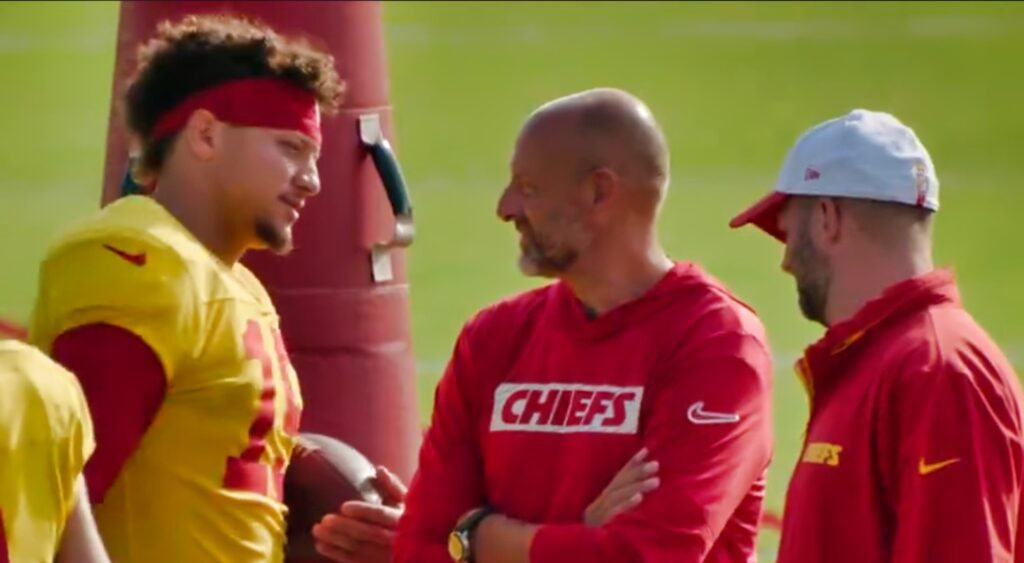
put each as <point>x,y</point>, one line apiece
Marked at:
<point>176,344</point>
<point>45,439</point>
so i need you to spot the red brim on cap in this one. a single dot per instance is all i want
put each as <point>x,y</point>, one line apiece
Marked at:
<point>764,214</point>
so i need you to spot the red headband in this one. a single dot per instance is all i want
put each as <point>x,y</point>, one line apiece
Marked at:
<point>249,102</point>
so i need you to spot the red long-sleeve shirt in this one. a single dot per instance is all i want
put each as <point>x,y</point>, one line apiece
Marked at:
<point>540,407</point>
<point>124,384</point>
<point>914,446</point>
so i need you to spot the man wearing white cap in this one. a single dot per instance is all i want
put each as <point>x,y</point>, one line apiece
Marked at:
<point>913,451</point>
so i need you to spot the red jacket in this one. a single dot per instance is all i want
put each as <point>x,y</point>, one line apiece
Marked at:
<point>913,450</point>
<point>540,407</point>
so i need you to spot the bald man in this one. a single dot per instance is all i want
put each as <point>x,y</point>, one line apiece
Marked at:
<point>618,414</point>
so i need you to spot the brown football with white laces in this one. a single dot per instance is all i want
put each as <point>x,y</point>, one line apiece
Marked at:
<point>324,472</point>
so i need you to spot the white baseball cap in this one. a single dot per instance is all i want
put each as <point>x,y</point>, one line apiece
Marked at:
<point>863,154</point>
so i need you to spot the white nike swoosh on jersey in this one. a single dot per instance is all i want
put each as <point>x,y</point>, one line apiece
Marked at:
<point>697,415</point>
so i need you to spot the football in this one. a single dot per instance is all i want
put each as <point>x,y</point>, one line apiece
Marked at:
<point>324,473</point>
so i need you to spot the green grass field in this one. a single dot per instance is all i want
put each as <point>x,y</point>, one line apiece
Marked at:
<point>732,84</point>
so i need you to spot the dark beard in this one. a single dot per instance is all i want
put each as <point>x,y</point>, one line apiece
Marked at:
<point>543,259</point>
<point>548,263</point>
<point>812,303</point>
<point>814,279</point>
<point>277,241</point>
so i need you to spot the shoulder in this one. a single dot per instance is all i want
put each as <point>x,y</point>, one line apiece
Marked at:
<point>24,366</point>
<point>511,314</point>
<point>944,346</point>
<point>128,240</point>
<point>124,266</point>
<point>712,340</point>
<point>252,285</point>
<point>111,271</point>
<point>940,360</point>
<point>495,334</point>
<point>708,310</point>
<point>39,392</point>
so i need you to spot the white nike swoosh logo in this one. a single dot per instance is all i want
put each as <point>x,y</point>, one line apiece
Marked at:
<point>698,415</point>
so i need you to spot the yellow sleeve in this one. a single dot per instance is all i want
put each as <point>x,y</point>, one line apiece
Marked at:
<point>81,440</point>
<point>46,438</point>
<point>123,280</point>
<point>70,427</point>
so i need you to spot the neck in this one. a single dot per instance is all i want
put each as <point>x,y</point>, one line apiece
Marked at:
<point>605,280</point>
<point>867,279</point>
<point>203,221</point>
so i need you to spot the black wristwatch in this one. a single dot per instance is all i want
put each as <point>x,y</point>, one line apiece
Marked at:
<point>460,540</point>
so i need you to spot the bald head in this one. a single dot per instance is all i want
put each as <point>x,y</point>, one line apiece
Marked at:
<point>604,127</point>
<point>588,175</point>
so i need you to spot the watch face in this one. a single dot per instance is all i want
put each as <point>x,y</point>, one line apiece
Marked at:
<point>456,548</point>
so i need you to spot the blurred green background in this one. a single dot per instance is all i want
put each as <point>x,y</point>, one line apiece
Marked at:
<point>733,84</point>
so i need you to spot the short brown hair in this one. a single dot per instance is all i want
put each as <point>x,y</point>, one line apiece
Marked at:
<point>886,221</point>
<point>199,52</point>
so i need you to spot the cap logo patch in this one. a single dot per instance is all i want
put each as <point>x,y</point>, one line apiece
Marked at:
<point>811,174</point>
<point>921,182</point>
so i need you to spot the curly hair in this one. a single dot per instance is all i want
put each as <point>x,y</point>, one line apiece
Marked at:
<point>199,52</point>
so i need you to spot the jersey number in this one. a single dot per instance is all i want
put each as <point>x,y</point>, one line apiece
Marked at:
<point>247,472</point>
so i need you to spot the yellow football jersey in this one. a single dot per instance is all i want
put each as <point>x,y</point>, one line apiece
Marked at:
<point>45,438</point>
<point>205,483</point>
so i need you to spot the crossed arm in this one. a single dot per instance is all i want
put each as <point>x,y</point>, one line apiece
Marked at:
<point>703,474</point>
<point>365,533</point>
